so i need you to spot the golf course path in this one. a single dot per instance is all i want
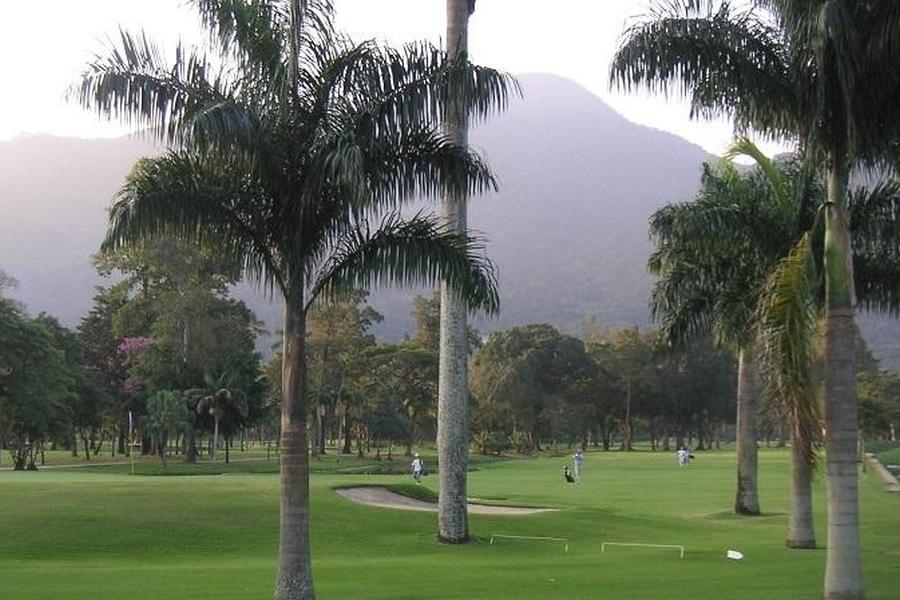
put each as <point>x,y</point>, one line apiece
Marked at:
<point>385,498</point>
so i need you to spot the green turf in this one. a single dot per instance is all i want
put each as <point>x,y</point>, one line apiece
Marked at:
<point>81,534</point>
<point>890,456</point>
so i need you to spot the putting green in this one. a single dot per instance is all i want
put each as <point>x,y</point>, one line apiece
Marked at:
<point>80,534</point>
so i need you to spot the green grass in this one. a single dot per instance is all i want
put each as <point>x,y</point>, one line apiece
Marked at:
<point>890,455</point>
<point>80,533</point>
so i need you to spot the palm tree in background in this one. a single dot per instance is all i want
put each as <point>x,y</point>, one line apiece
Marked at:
<point>712,256</point>
<point>820,72</point>
<point>292,156</point>
<point>167,416</point>
<point>218,399</point>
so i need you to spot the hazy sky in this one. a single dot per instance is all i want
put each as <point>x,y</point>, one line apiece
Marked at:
<point>44,46</point>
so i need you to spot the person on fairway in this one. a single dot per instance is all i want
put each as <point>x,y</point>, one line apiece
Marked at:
<point>682,456</point>
<point>577,461</point>
<point>417,468</point>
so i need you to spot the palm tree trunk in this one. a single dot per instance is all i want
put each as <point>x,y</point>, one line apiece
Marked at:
<point>294,581</point>
<point>320,429</point>
<point>801,533</point>
<point>627,444</point>
<point>746,500</point>
<point>348,449</point>
<point>161,448</point>
<point>215,436</point>
<point>453,435</point>
<point>190,446</point>
<point>843,570</point>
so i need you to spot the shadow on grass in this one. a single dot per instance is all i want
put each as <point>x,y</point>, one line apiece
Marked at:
<point>730,515</point>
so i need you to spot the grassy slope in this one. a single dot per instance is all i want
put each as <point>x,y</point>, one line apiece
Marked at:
<point>890,456</point>
<point>79,534</point>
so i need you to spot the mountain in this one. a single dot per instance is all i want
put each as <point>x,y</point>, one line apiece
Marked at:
<point>567,231</point>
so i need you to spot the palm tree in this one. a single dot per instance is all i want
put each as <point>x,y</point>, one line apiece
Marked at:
<point>453,380</point>
<point>822,73</point>
<point>712,256</point>
<point>291,157</point>
<point>788,321</point>
<point>218,399</point>
<point>167,415</point>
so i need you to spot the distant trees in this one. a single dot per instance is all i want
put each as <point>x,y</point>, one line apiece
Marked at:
<point>375,393</point>
<point>169,324</point>
<point>340,331</point>
<point>403,380</point>
<point>524,379</point>
<point>532,384</point>
<point>107,368</point>
<point>167,416</point>
<point>37,384</point>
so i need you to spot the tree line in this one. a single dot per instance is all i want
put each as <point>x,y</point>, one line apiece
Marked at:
<point>167,347</point>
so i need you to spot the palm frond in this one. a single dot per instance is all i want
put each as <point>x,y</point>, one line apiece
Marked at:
<point>682,308</point>
<point>198,199</point>
<point>836,49</point>
<point>135,85</point>
<point>418,84</point>
<point>714,252</point>
<point>252,32</point>
<point>726,62</point>
<point>787,329</point>
<point>417,252</point>
<point>875,228</point>
<point>745,147</point>
<point>385,170</point>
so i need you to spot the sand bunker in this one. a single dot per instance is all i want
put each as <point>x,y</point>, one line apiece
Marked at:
<point>385,498</point>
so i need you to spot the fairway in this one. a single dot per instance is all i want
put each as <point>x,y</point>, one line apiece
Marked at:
<point>85,534</point>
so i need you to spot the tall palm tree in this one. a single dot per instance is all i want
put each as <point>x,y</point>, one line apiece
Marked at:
<point>217,399</point>
<point>453,380</point>
<point>820,72</point>
<point>291,156</point>
<point>712,256</point>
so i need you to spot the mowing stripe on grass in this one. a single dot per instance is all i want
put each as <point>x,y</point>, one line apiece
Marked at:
<point>530,537</point>
<point>675,546</point>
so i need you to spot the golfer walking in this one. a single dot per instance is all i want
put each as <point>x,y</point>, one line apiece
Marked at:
<point>417,468</point>
<point>577,461</point>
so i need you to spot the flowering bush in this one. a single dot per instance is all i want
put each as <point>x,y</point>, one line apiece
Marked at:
<point>130,345</point>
